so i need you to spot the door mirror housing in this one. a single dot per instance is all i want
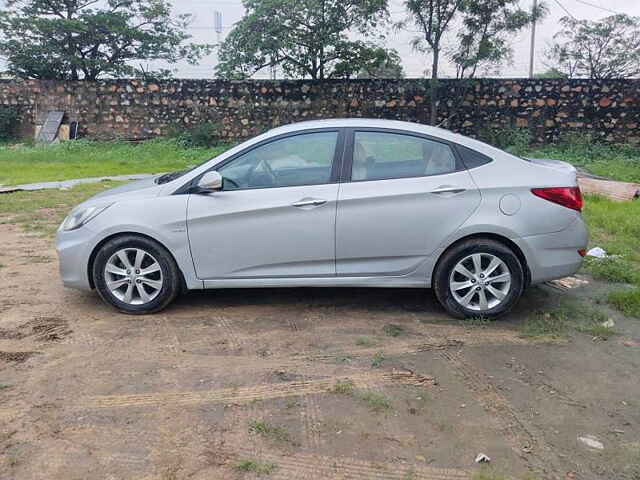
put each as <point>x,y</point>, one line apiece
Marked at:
<point>210,182</point>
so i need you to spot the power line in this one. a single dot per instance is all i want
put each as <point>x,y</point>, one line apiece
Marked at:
<point>598,6</point>
<point>563,7</point>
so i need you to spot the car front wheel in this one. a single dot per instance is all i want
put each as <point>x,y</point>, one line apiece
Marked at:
<point>136,275</point>
<point>478,278</point>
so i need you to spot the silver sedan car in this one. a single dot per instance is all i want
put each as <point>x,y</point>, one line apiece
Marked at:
<point>334,203</point>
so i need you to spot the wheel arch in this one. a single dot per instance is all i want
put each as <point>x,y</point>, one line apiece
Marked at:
<point>100,244</point>
<point>507,242</point>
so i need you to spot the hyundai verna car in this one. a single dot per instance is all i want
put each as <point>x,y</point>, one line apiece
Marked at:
<point>334,203</point>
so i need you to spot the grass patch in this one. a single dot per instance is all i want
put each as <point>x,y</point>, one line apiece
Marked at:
<point>266,430</point>
<point>488,475</point>
<point>477,321</point>
<point>392,330</point>
<point>377,359</point>
<point>618,162</point>
<point>42,211</point>
<point>365,342</point>
<point>254,466</point>
<point>343,388</point>
<point>557,322</point>
<point>612,269</point>
<point>375,401</point>
<point>627,301</point>
<point>544,324</point>
<point>79,159</point>
<point>614,226</point>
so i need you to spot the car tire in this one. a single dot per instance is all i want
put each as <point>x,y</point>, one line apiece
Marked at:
<point>153,283</point>
<point>458,285</point>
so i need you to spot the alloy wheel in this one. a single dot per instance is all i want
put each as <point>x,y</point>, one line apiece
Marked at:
<point>480,282</point>
<point>133,276</point>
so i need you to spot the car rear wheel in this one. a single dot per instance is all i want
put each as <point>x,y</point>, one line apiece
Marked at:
<point>478,278</point>
<point>136,275</point>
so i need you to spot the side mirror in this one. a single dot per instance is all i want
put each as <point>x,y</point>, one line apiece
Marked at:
<point>210,182</point>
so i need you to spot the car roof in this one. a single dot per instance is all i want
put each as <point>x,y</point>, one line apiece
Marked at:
<point>390,124</point>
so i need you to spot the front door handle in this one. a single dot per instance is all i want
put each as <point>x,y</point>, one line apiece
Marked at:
<point>309,202</point>
<point>447,189</point>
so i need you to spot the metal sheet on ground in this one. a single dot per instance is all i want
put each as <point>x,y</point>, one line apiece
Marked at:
<point>49,130</point>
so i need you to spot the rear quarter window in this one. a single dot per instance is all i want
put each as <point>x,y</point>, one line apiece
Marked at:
<point>472,158</point>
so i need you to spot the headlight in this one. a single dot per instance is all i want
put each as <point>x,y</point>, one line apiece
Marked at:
<point>78,218</point>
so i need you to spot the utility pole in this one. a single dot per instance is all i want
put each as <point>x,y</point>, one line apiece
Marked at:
<point>533,38</point>
<point>217,24</point>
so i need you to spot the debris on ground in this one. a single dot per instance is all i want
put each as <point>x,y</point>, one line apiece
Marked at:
<point>597,252</point>
<point>609,323</point>
<point>567,283</point>
<point>482,458</point>
<point>591,442</point>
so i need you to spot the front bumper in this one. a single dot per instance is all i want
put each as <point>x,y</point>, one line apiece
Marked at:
<point>555,255</point>
<point>74,249</point>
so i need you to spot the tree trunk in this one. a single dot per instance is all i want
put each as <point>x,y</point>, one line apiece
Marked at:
<point>434,88</point>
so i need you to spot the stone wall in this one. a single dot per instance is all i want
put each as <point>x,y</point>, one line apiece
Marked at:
<point>136,109</point>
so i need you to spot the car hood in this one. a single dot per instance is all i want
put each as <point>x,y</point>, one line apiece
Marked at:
<point>145,187</point>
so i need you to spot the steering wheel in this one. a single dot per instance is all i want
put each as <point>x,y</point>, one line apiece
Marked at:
<point>267,170</point>
<point>232,182</point>
<point>270,172</point>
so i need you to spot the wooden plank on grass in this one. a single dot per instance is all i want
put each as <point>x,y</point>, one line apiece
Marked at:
<point>618,191</point>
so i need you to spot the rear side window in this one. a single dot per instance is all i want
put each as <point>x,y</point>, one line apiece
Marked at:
<point>472,158</point>
<point>381,155</point>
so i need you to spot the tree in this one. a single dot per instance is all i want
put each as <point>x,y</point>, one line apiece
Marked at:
<point>89,39</point>
<point>606,49</point>
<point>432,18</point>
<point>551,73</point>
<point>487,27</point>
<point>306,38</point>
<point>383,64</point>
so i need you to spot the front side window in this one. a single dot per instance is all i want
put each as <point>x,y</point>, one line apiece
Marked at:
<point>304,159</point>
<point>380,156</point>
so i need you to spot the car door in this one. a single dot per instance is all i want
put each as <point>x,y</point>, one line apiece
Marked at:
<point>275,216</point>
<point>402,195</point>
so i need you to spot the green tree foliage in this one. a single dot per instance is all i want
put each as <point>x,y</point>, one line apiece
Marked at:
<point>384,64</point>
<point>432,18</point>
<point>551,73</point>
<point>487,28</point>
<point>606,49</point>
<point>306,38</point>
<point>89,39</point>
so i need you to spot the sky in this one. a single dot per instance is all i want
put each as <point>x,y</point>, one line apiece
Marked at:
<point>414,63</point>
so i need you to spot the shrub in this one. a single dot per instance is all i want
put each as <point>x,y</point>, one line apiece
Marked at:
<point>513,140</point>
<point>201,135</point>
<point>8,122</point>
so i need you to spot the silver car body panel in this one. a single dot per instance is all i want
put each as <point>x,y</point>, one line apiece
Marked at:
<point>383,233</point>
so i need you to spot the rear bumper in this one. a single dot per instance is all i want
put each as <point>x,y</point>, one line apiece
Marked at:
<point>74,249</point>
<point>555,255</point>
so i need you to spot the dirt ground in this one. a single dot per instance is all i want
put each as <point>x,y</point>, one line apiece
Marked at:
<point>300,383</point>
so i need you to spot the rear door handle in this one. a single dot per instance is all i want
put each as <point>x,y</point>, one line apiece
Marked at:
<point>309,202</point>
<point>447,189</point>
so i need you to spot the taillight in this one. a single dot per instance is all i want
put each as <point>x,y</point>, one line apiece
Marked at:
<point>569,197</point>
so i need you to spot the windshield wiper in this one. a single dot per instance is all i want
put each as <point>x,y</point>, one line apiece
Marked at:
<point>167,177</point>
